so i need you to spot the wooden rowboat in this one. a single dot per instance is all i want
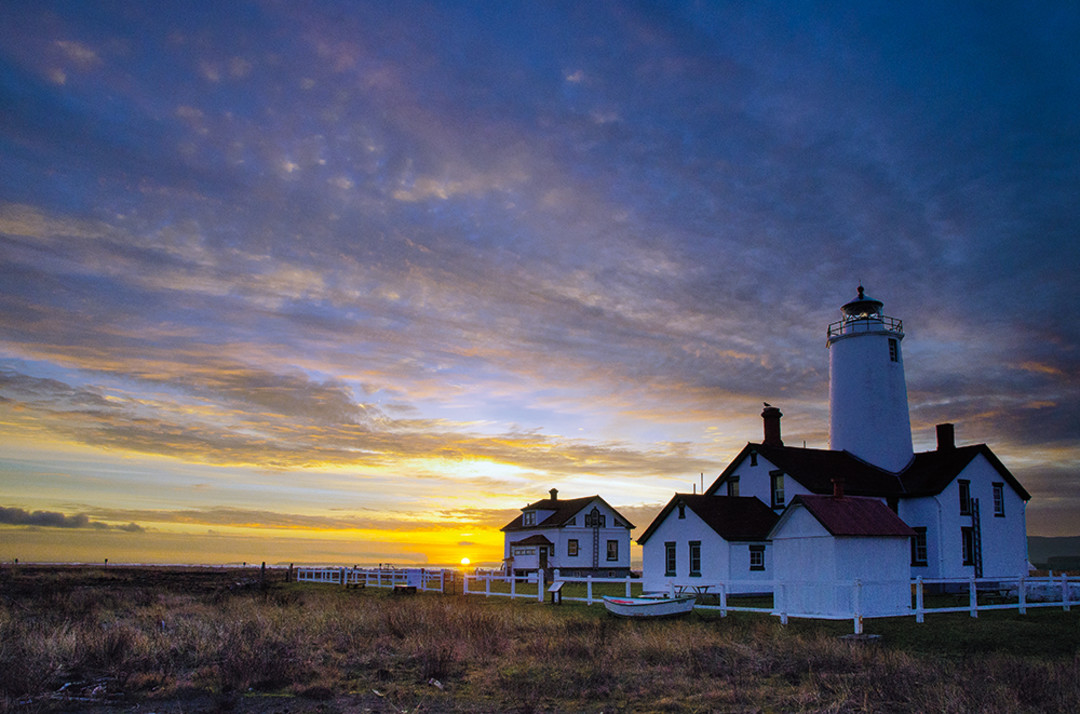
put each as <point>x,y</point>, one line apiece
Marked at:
<point>650,606</point>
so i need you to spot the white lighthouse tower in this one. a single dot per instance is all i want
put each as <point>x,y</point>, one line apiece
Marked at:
<point>868,408</point>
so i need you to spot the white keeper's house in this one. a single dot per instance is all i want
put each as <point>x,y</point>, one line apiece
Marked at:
<point>965,510</point>
<point>579,536</point>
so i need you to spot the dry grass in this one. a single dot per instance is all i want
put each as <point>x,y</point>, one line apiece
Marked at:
<point>101,641</point>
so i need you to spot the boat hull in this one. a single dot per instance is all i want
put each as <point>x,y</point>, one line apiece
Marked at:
<point>649,607</point>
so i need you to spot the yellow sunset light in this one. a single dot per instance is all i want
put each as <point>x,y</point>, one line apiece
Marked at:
<point>465,561</point>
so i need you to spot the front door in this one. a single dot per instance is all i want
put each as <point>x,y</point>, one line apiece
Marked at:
<point>543,557</point>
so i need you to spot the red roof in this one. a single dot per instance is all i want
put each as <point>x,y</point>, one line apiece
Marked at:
<point>853,516</point>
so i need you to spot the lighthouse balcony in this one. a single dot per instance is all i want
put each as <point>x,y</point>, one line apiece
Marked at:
<point>862,324</point>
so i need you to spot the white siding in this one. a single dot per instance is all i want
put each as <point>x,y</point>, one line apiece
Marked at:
<point>721,561</point>
<point>757,481</point>
<point>817,570</point>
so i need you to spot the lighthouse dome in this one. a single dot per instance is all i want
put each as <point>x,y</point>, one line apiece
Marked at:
<point>863,307</point>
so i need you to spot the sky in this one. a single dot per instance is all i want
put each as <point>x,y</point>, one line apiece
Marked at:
<point>354,282</point>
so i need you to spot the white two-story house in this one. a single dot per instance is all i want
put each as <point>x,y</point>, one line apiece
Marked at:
<point>578,536</point>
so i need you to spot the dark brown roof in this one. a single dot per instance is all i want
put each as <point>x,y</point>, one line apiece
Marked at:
<point>564,509</point>
<point>927,474</point>
<point>536,539</point>
<point>853,516</point>
<point>932,471</point>
<point>733,518</point>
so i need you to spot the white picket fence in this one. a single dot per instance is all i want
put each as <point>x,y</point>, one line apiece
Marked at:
<point>473,586</point>
<point>857,597</point>
<point>424,580</point>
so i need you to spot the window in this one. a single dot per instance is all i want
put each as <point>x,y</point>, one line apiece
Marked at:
<point>613,550</point>
<point>572,548</point>
<point>999,499</point>
<point>682,510</point>
<point>918,546</point>
<point>757,557</point>
<point>529,519</point>
<point>669,558</point>
<point>967,538</point>
<point>894,350</point>
<point>777,488</point>
<point>965,497</point>
<point>595,519</point>
<point>733,486</point>
<point>695,558</point>
<point>753,458</point>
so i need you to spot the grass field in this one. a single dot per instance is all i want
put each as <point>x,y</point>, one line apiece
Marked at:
<point>188,640</point>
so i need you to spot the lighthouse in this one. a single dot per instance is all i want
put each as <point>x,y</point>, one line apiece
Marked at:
<point>868,408</point>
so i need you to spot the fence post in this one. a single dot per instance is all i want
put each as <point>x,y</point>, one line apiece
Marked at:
<point>857,599</point>
<point>723,600</point>
<point>513,588</point>
<point>1065,592</point>
<point>920,614</point>
<point>783,603</point>
<point>588,590</point>
<point>627,586</point>
<point>540,585</point>
<point>1021,594</point>
<point>973,596</point>
<point>487,586</point>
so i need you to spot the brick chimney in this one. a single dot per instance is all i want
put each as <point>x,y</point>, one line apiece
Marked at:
<point>946,437</point>
<point>554,494</point>
<point>771,417</point>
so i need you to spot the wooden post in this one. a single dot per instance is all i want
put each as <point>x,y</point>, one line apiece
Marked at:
<point>540,580</point>
<point>588,590</point>
<point>723,600</point>
<point>973,597</point>
<point>1021,594</point>
<point>856,596</point>
<point>1065,592</point>
<point>920,615</point>
<point>783,601</point>
<point>627,586</point>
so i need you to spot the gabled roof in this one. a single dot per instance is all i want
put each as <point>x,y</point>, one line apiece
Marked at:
<point>932,471</point>
<point>849,516</point>
<point>563,509</point>
<point>733,518</point>
<point>927,474</point>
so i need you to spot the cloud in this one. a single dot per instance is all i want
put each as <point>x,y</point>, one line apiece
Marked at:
<point>53,519</point>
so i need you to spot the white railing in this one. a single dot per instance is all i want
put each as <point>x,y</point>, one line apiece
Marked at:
<point>839,600</point>
<point>422,579</point>
<point>1049,591</point>
<point>473,586</point>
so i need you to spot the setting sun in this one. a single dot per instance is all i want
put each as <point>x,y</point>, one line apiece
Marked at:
<point>465,561</point>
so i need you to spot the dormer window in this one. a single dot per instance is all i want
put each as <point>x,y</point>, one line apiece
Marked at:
<point>595,519</point>
<point>529,519</point>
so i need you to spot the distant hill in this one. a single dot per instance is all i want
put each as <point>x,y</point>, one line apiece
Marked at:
<point>1041,549</point>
